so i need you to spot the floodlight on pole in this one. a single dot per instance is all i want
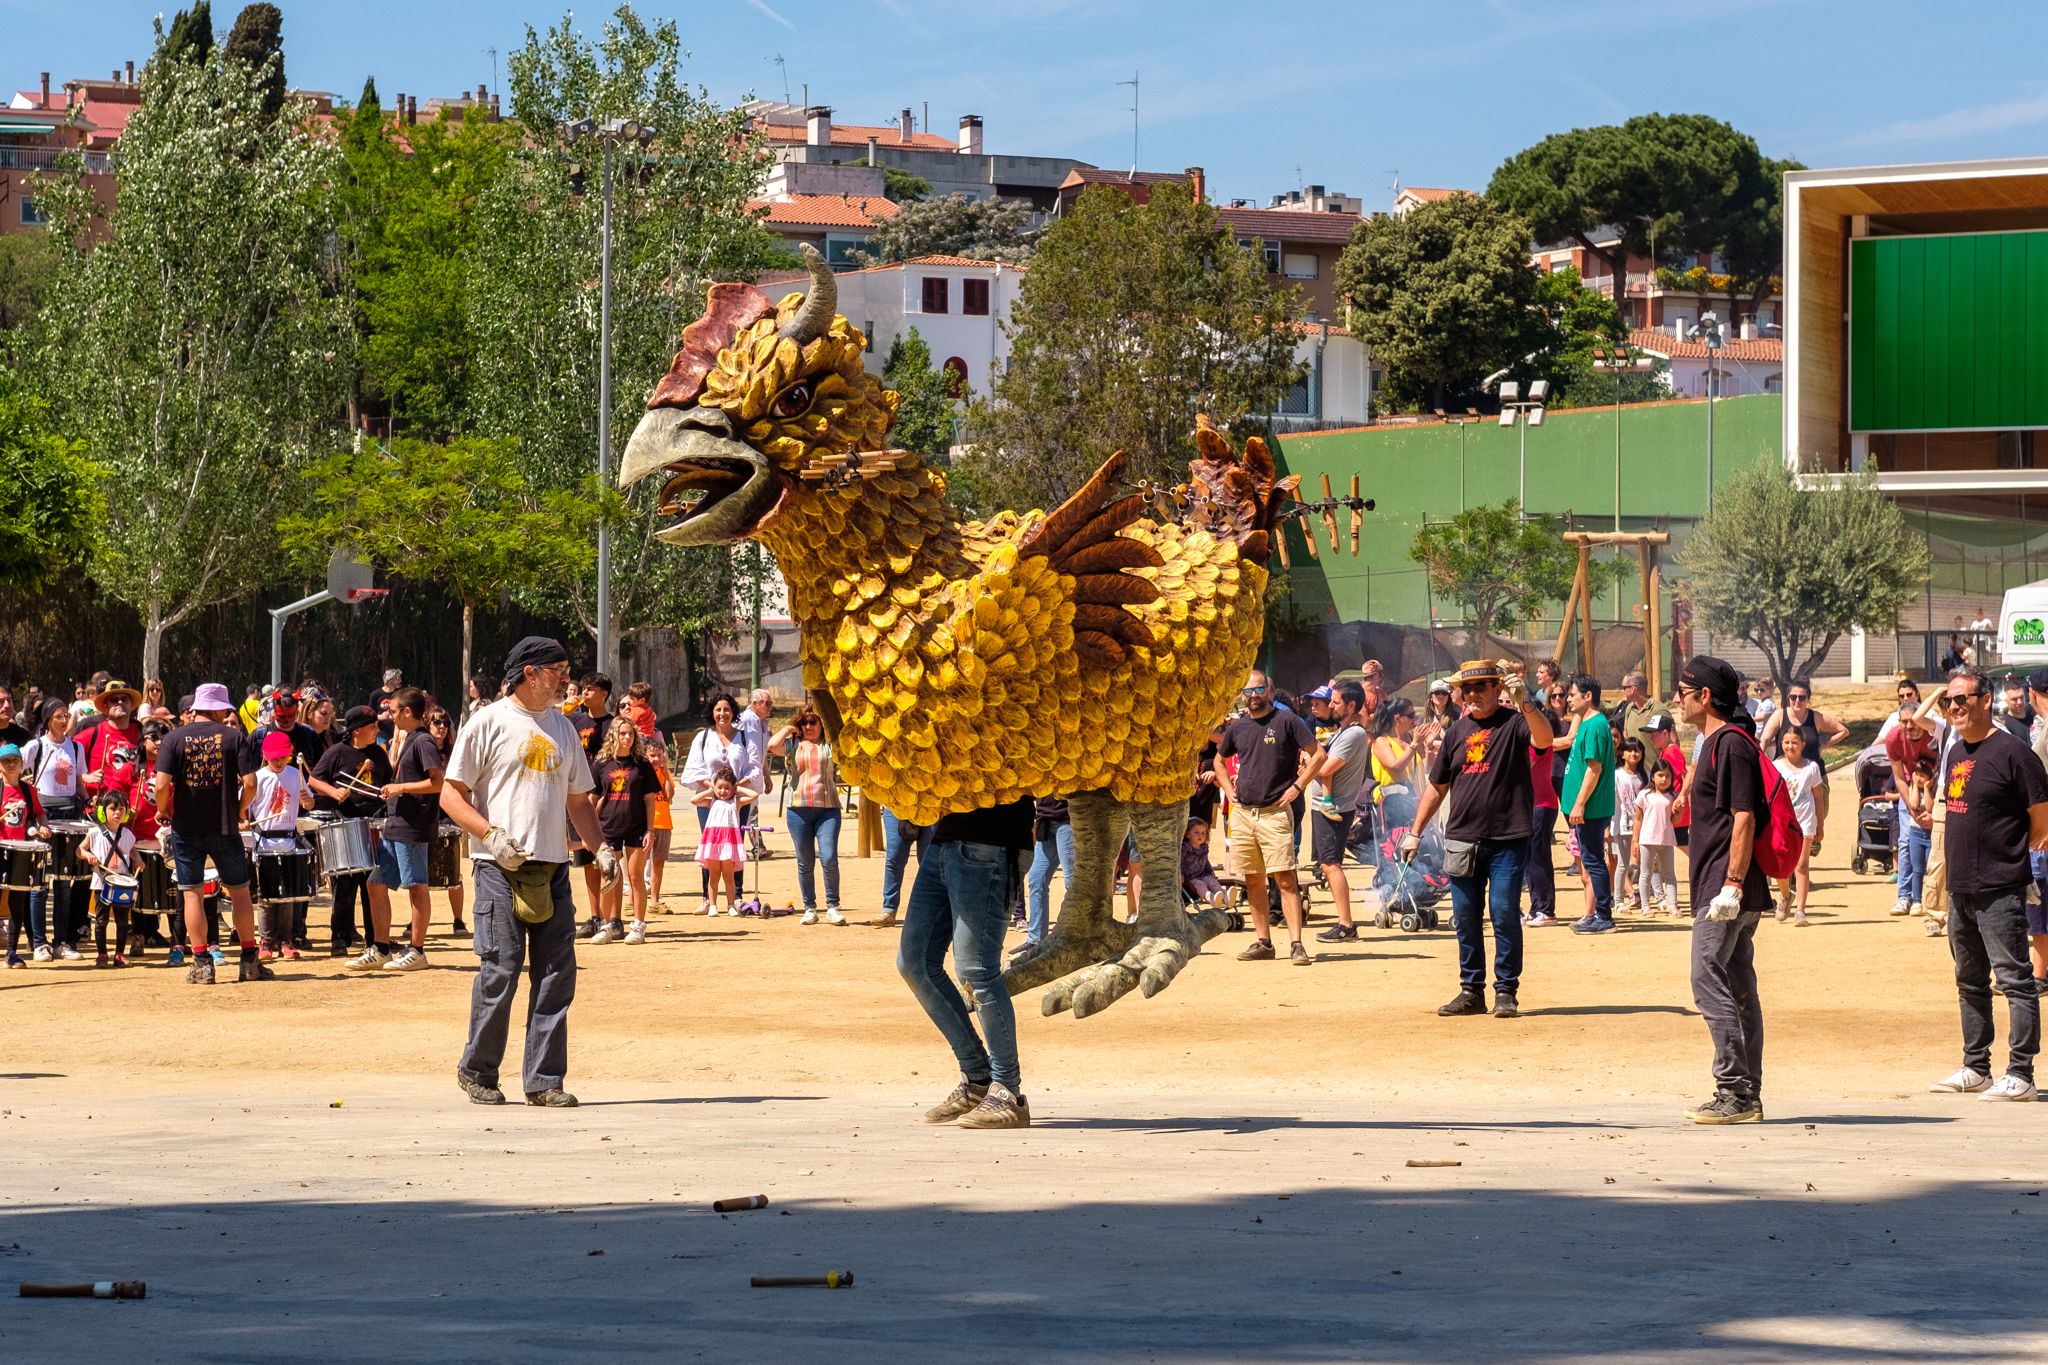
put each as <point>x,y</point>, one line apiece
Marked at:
<point>1517,411</point>
<point>1620,361</point>
<point>1708,334</point>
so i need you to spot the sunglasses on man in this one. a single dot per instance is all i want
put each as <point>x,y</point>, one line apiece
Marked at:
<point>1951,701</point>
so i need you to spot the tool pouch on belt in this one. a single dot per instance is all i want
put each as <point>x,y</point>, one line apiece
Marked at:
<point>533,891</point>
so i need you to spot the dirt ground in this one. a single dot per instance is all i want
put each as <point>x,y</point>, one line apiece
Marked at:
<point>1218,1173</point>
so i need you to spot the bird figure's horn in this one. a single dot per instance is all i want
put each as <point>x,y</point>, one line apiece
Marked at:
<point>814,319</point>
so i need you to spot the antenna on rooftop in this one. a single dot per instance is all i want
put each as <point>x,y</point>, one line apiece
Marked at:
<point>1299,182</point>
<point>784,66</point>
<point>1396,173</point>
<point>1133,83</point>
<point>492,53</point>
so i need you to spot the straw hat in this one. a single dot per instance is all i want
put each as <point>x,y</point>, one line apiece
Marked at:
<point>117,688</point>
<point>1476,670</point>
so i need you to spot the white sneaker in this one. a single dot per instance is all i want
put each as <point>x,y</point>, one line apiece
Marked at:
<point>1936,927</point>
<point>1961,1081</point>
<point>733,910</point>
<point>1916,909</point>
<point>68,953</point>
<point>2010,1087</point>
<point>607,932</point>
<point>43,953</point>
<point>636,932</point>
<point>1902,906</point>
<point>832,915</point>
<point>809,917</point>
<point>409,959</point>
<point>710,906</point>
<point>371,959</point>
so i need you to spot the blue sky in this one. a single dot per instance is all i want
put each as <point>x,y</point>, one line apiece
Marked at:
<point>1348,93</point>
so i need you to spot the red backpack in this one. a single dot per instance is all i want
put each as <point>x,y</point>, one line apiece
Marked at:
<point>1778,836</point>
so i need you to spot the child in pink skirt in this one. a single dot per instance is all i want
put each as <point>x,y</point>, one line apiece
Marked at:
<point>719,849</point>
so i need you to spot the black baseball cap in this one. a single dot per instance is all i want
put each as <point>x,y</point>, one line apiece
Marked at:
<point>357,718</point>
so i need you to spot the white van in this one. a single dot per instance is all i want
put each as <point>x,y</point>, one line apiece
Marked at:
<point>2023,626</point>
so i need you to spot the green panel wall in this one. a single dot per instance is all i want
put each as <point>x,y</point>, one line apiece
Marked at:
<point>1948,332</point>
<point>1425,471</point>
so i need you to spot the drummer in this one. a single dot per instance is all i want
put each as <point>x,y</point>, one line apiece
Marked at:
<point>273,813</point>
<point>349,781</point>
<point>110,852</point>
<point>412,818</point>
<point>21,819</point>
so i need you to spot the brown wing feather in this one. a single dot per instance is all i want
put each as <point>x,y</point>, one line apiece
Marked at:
<point>1107,555</point>
<point>1100,619</point>
<point>1076,512</point>
<point>1116,588</point>
<point>1096,648</point>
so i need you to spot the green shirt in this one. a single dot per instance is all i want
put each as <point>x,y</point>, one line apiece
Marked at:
<point>1592,742</point>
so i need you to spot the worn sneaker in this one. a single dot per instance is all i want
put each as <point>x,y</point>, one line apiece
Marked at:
<point>1466,1002</point>
<point>202,971</point>
<point>1261,950</point>
<point>291,951</point>
<point>636,932</point>
<point>608,932</point>
<point>43,953</point>
<point>176,957</point>
<point>1726,1107</point>
<point>1298,955</point>
<point>2010,1087</point>
<point>589,928</point>
<point>458,929</point>
<point>1339,933</point>
<point>15,960</point>
<point>1917,909</point>
<point>832,915</point>
<point>213,951</point>
<point>557,1098</point>
<point>266,950</point>
<point>479,1090</point>
<point>809,917</point>
<point>102,960</point>
<point>1001,1107</point>
<point>1506,1006</point>
<point>252,969</point>
<point>68,953</point>
<point>886,920</point>
<point>710,906</point>
<point>962,1100</point>
<point>1538,920</point>
<point>1593,924</point>
<point>371,959</point>
<point>1962,1081</point>
<point>1904,907</point>
<point>409,959</point>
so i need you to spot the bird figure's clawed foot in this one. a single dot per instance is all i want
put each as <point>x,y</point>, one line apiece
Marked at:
<point>1160,947</point>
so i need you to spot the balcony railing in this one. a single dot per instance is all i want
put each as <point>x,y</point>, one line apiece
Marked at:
<point>13,158</point>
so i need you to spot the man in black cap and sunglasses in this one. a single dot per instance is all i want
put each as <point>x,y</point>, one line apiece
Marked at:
<point>1730,893</point>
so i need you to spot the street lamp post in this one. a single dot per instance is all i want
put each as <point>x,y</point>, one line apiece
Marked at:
<point>1619,362</point>
<point>608,133</point>
<point>1516,411</point>
<point>1709,333</point>
<point>1471,416</point>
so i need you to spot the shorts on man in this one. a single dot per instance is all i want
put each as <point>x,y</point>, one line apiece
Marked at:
<point>401,863</point>
<point>1262,839</point>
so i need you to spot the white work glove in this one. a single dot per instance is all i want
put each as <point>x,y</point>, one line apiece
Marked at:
<point>1517,689</point>
<point>504,852</point>
<point>1727,905</point>
<point>609,868</point>
<point>1410,843</point>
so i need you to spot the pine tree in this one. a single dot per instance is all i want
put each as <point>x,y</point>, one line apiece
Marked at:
<point>191,36</point>
<point>257,38</point>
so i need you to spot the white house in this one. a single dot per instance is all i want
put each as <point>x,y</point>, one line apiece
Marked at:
<point>1744,364</point>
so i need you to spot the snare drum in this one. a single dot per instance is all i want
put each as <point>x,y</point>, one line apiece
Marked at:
<point>285,878</point>
<point>345,847</point>
<point>24,864</point>
<point>444,857</point>
<point>156,886</point>
<point>67,845</point>
<point>119,892</point>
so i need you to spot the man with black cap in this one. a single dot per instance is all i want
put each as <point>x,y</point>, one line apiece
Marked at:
<point>1483,769</point>
<point>1997,798</point>
<point>515,784</point>
<point>1730,893</point>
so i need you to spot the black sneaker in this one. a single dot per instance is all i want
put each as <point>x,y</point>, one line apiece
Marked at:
<point>588,929</point>
<point>557,1098</point>
<point>1505,1006</point>
<point>1467,1002</point>
<point>1339,933</point>
<point>479,1090</point>
<point>458,928</point>
<point>1727,1107</point>
<point>254,970</point>
<point>202,970</point>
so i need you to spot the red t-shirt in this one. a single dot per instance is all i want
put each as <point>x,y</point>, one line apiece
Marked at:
<point>116,755</point>
<point>20,812</point>
<point>1674,758</point>
<point>1914,755</point>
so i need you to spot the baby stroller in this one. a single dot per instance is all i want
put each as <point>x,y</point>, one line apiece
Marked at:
<point>1410,890</point>
<point>1877,826</point>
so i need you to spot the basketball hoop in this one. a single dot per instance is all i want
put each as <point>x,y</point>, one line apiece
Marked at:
<point>355,595</point>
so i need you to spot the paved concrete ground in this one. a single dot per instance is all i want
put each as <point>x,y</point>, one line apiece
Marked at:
<point>1177,1227</point>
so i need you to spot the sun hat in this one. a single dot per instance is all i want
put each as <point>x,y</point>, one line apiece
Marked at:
<point>212,697</point>
<point>1477,670</point>
<point>116,688</point>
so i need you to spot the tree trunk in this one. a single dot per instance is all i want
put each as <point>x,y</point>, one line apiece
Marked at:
<point>468,636</point>
<point>153,640</point>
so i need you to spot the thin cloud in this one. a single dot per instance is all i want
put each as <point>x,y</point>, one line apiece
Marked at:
<point>1987,118</point>
<point>763,7</point>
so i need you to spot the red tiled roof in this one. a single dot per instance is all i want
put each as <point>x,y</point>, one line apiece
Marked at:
<point>108,116</point>
<point>1763,349</point>
<point>1427,194</point>
<point>1308,328</point>
<point>857,135</point>
<point>1093,175</point>
<point>1281,225</point>
<point>967,261</point>
<point>826,210</point>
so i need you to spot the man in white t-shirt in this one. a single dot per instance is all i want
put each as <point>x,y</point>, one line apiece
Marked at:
<point>517,772</point>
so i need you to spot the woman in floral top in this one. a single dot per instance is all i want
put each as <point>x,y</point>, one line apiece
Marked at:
<point>813,810</point>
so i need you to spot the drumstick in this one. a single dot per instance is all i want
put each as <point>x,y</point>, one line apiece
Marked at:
<point>103,1289</point>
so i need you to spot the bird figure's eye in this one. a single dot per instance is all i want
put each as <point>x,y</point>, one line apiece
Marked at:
<point>793,401</point>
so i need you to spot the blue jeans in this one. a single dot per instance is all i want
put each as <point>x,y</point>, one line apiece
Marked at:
<point>1490,890</point>
<point>962,898</point>
<point>898,838</point>
<point>400,864</point>
<point>1593,857</point>
<point>189,853</point>
<point>815,832</point>
<point>1913,854</point>
<point>1056,846</point>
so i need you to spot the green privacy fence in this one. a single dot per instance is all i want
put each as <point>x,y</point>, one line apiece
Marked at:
<point>1948,332</point>
<point>1434,471</point>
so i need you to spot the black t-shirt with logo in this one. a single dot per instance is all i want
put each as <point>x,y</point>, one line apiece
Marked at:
<point>415,818</point>
<point>623,785</point>
<point>371,767</point>
<point>1268,751</point>
<point>1989,787</point>
<point>1729,778</point>
<point>204,762</point>
<point>1485,762</point>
